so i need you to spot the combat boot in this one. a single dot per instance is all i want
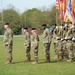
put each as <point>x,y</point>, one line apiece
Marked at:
<point>56,57</point>
<point>28,60</point>
<point>48,59</point>
<point>35,62</point>
<point>70,60</point>
<point>65,58</point>
<point>60,58</point>
<point>8,62</point>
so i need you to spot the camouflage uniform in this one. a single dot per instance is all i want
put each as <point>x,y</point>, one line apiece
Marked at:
<point>55,34</point>
<point>65,51</point>
<point>47,42</point>
<point>60,44</point>
<point>70,44</point>
<point>27,45</point>
<point>35,45</point>
<point>8,42</point>
<point>73,32</point>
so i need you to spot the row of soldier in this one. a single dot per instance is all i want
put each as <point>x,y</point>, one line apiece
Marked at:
<point>64,42</point>
<point>62,37</point>
<point>33,41</point>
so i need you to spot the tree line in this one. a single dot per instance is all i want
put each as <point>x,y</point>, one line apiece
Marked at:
<point>31,18</point>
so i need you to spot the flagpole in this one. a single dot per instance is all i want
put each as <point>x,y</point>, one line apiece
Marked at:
<point>56,17</point>
<point>61,21</point>
<point>57,8</point>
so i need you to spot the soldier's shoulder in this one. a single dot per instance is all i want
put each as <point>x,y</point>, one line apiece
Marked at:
<point>34,34</point>
<point>10,31</point>
<point>27,33</point>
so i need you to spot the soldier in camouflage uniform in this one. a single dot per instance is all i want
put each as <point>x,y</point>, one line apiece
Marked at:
<point>55,41</point>
<point>60,44</point>
<point>35,44</point>
<point>73,39</point>
<point>8,42</point>
<point>69,46</point>
<point>65,51</point>
<point>46,41</point>
<point>27,43</point>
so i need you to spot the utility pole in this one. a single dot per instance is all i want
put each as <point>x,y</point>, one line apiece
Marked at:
<point>2,10</point>
<point>25,21</point>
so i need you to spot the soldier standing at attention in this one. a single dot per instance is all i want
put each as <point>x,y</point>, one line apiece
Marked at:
<point>55,41</point>
<point>73,39</point>
<point>65,51</point>
<point>35,45</point>
<point>60,42</point>
<point>69,44</point>
<point>46,42</point>
<point>8,42</point>
<point>27,43</point>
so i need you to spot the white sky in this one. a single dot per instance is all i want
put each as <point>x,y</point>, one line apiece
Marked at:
<point>26,4</point>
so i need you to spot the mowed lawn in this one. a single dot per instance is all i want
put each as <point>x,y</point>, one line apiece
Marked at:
<point>19,67</point>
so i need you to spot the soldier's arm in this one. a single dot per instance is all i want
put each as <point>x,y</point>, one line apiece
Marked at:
<point>5,38</point>
<point>69,36</point>
<point>45,34</point>
<point>27,39</point>
<point>36,40</point>
<point>10,37</point>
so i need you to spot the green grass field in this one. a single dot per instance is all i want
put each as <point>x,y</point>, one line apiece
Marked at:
<point>19,67</point>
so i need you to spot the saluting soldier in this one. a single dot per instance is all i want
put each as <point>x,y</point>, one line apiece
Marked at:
<point>27,43</point>
<point>8,42</point>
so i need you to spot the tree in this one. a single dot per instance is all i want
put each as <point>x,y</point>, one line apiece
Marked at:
<point>31,17</point>
<point>11,16</point>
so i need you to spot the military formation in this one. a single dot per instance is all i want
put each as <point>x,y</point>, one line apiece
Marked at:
<point>64,42</point>
<point>63,38</point>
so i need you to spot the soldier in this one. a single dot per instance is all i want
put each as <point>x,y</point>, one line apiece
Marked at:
<point>60,44</point>
<point>69,46</point>
<point>8,42</point>
<point>27,43</point>
<point>73,39</point>
<point>35,45</point>
<point>65,51</point>
<point>55,41</point>
<point>46,42</point>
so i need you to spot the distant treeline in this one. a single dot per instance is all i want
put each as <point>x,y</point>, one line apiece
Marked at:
<point>32,18</point>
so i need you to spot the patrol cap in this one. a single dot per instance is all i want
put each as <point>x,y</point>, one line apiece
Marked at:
<point>33,28</point>
<point>44,25</point>
<point>25,28</point>
<point>6,23</point>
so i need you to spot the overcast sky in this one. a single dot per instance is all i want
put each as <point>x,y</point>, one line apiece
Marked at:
<point>27,4</point>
